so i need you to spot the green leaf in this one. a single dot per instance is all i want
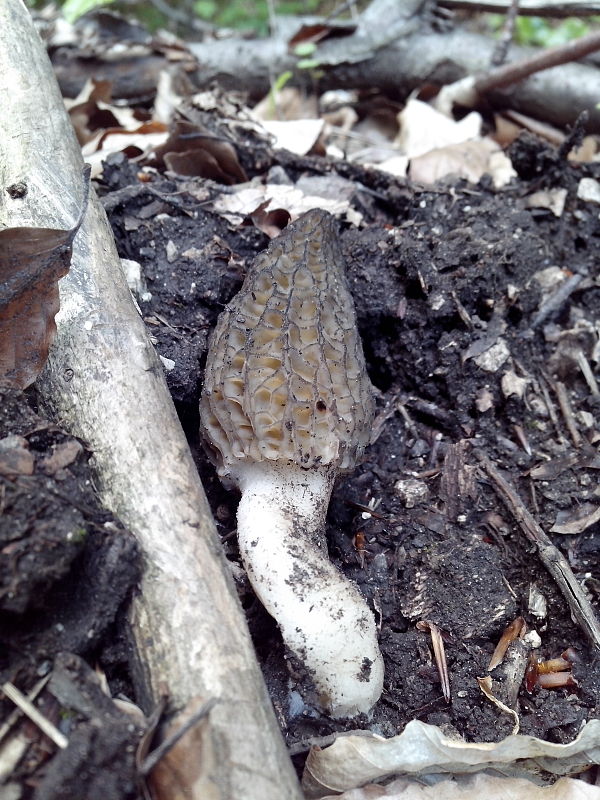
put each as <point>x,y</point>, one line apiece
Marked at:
<point>305,49</point>
<point>281,81</point>
<point>73,9</point>
<point>308,63</point>
<point>205,9</point>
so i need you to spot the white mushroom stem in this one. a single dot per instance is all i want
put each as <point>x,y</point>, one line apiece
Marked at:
<point>323,617</point>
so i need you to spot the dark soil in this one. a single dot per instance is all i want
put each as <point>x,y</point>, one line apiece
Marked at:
<point>451,288</point>
<point>67,570</point>
<point>438,278</point>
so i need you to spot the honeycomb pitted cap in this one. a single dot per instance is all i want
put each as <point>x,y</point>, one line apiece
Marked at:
<point>285,373</point>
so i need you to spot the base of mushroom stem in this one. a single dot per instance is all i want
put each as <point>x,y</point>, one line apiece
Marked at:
<point>323,617</point>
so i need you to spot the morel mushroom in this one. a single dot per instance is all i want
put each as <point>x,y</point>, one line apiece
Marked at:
<point>287,404</point>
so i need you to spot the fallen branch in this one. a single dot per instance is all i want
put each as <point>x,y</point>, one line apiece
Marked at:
<point>551,557</point>
<point>532,8</point>
<point>557,95</point>
<point>105,382</point>
<point>553,56</point>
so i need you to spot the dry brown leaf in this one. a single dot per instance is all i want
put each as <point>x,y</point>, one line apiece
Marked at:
<point>62,455</point>
<point>92,111</point>
<point>235,207</point>
<point>193,150</point>
<point>288,103</point>
<point>270,222</point>
<point>319,31</point>
<point>186,769</point>
<point>32,260</point>
<point>573,522</point>
<point>15,456</point>
<point>133,143</point>
<point>471,160</point>
<point>423,128</point>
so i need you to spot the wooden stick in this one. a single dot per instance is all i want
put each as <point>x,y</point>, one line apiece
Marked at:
<point>105,383</point>
<point>402,65</point>
<point>551,557</point>
<point>551,57</point>
<point>26,706</point>
<point>506,35</point>
<point>537,8</point>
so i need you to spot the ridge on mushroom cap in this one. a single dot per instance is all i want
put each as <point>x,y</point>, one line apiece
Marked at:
<point>285,374</point>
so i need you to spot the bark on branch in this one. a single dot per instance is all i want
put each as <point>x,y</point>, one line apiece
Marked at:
<point>534,8</point>
<point>105,382</point>
<point>557,95</point>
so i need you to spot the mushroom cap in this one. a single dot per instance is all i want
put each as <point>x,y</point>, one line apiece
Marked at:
<point>285,374</point>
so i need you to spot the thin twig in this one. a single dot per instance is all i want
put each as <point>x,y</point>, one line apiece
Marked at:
<point>551,557</point>
<point>508,29</point>
<point>551,409</point>
<point>522,437</point>
<point>27,707</point>
<point>574,138</point>
<point>519,70</point>
<point>16,713</point>
<point>163,748</point>
<point>439,654</point>
<point>565,407</point>
<point>589,376</point>
<point>556,300</point>
<point>407,419</point>
<point>542,129</point>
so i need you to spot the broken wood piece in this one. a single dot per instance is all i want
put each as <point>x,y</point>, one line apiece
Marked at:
<point>439,653</point>
<point>105,382</point>
<point>27,707</point>
<point>556,564</point>
<point>565,407</point>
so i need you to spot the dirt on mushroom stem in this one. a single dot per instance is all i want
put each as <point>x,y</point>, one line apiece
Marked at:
<point>286,404</point>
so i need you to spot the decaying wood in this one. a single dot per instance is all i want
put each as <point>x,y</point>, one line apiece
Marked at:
<point>105,383</point>
<point>415,56</point>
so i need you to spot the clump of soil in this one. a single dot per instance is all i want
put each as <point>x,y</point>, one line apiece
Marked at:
<point>67,571</point>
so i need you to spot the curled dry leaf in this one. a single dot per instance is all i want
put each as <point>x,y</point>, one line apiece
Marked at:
<point>136,142</point>
<point>486,686</point>
<point>517,628</point>
<point>423,128</point>
<point>474,787</point>
<point>192,149</point>
<point>92,110</point>
<point>576,521</point>
<point>319,31</point>
<point>189,762</point>
<point>245,201</point>
<point>32,260</point>
<point>423,749</point>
